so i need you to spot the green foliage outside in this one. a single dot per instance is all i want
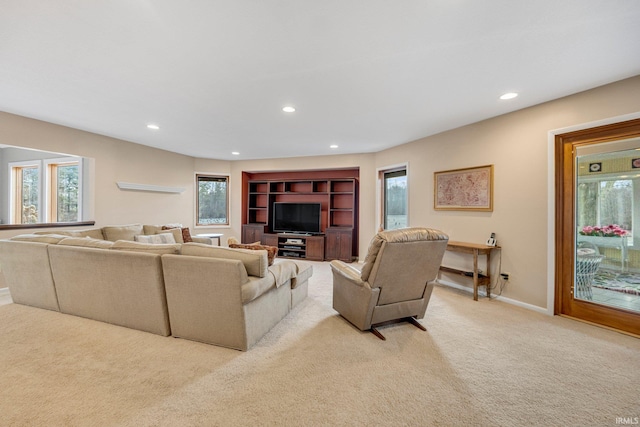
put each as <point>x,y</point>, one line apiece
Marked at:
<point>68,191</point>
<point>396,202</point>
<point>30,195</point>
<point>212,201</point>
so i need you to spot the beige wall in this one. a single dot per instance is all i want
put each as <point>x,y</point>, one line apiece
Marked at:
<point>116,160</point>
<point>516,144</point>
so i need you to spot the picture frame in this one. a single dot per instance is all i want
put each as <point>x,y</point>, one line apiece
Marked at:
<point>467,189</point>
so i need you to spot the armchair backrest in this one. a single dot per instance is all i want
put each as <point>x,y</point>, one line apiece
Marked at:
<point>401,262</point>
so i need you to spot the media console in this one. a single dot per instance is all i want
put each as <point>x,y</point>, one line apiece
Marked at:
<point>303,246</point>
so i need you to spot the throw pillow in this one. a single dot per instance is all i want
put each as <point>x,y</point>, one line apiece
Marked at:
<point>156,239</point>
<point>272,251</point>
<point>186,234</point>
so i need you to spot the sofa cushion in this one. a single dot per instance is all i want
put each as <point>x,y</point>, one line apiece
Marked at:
<point>155,239</point>
<point>86,242</point>
<point>272,251</point>
<point>305,271</point>
<point>122,232</point>
<point>126,245</point>
<point>283,272</point>
<point>255,262</point>
<point>94,233</point>
<point>39,238</point>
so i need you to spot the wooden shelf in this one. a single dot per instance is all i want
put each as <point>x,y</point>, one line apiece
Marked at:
<point>334,190</point>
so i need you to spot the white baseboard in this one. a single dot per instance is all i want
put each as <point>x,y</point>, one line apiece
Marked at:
<point>4,291</point>
<point>499,298</point>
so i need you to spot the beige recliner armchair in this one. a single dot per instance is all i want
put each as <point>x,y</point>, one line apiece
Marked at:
<point>396,280</point>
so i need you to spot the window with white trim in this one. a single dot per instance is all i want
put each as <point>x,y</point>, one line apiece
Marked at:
<point>46,191</point>
<point>212,200</point>
<point>394,198</point>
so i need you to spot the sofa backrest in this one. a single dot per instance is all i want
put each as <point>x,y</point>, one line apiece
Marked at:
<point>26,269</point>
<point>93,233</point>
<point>124,288</point>
<point>256,262</point>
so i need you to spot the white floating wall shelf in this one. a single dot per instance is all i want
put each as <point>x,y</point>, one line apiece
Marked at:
<point>147,187</point>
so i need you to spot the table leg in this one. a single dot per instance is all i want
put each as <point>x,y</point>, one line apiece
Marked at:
<point>475,275</point>
<point>488,275</point>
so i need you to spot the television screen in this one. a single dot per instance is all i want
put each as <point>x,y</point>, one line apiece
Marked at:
<point>296,217</point>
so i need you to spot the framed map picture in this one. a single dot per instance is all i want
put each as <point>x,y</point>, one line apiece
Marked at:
<point>469,189</point>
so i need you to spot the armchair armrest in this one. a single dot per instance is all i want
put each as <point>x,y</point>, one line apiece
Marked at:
<point>347,272</point>
<point>353,298</point>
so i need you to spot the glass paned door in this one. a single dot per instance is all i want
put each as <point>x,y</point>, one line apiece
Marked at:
<point>597,225</point>
<point>607,220</point>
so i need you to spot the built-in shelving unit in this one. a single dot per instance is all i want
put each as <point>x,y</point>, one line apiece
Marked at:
<point>335,190</point>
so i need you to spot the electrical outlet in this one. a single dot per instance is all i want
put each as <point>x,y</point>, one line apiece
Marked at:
<point>505,276</point>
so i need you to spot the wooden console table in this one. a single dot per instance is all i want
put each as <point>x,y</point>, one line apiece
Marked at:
<point>475,249</point>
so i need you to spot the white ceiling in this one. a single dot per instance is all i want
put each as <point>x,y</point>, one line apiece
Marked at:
<point>363,74</point>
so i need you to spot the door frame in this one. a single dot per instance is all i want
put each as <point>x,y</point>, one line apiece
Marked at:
<point>564,225</point>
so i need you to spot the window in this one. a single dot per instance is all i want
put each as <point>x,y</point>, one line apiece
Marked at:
<point>64,191</point>
<point>604,202</point>
<point>212,204</point>
<point>25,187</point>
<point>395,200</point>
<point>53,196</point>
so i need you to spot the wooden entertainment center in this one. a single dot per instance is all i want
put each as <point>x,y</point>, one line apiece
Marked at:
<point>336,191</point>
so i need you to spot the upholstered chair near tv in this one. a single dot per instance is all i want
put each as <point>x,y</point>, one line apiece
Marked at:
<point>396,280</point>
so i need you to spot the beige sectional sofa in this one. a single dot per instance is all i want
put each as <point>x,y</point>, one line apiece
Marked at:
<point>221,296</point>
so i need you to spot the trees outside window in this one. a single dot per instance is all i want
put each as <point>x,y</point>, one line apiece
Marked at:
<point>395,204</point>
<point>26,188</point>
<point>213,200</point>
<point>46,191</point>
<point>65,192</point>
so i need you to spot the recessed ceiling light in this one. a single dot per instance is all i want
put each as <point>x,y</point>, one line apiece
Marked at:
<point>288,109</point>
<point>509,95</point>
<point>333,146</point>
<point>235,153</point>
<point>152,126</point>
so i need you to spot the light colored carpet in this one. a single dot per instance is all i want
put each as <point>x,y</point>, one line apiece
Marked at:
<point>481,363</point>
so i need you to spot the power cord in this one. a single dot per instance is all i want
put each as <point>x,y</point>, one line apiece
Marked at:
<point>500,280</point>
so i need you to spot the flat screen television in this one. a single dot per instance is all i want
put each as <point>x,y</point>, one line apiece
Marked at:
<point>296,217</point>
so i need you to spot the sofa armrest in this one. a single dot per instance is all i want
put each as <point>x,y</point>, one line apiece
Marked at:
<point>204,298</point>
<point>204,240</point>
